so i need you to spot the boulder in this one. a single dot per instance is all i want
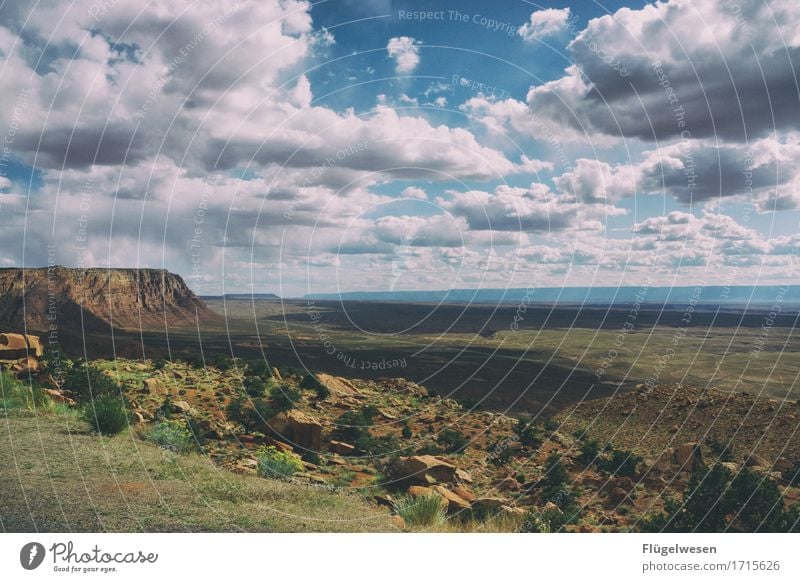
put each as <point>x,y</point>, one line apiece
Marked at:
<point>454,502</point>
<point>425,469</point>
<point>464,493</point>
<point>59,397</point>
<point>183,407</point>
<point>153,386</point>
<point>14,346</point>
<point>341,448</point>
<point>276,374</point>
<point>462,476</point>
<point>299,428</point>
<point>338,386</point>
<point>784,464</point>
<point>688,456</point>
<point>757,461</point>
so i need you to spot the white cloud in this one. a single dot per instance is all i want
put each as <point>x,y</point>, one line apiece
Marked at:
<point>545,23</point>
<point>405,51</point>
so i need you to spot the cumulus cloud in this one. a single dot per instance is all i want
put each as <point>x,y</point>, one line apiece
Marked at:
<point>545,23</point>
<point>405,51</point>
<point>699,68</point>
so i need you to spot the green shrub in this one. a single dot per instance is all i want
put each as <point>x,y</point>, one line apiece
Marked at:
<point>620,463</point>
<point>106,414</point>
<point>222,363</point>
<point>309,382</point>
<point>283,398</point>
<point>551,425</point>
<point>86,382</point>
<point>18,395</point>
<point>590,452</point>
<point>354,424</point>
<point>717,501</point>
<point>278,464</point>
<point>196,361</point>
<point>374,446</point>
<point>555,477</point>
<point>406,432</point>
<point>425,510</point>
<point>254,386</point>
<point>452,441</point>
<point>529,434</point>
<point>500,453</point>
<point>258,368</point>
<point>174,435</point>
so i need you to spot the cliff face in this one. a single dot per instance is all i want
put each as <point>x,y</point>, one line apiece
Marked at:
<point>96,299</point>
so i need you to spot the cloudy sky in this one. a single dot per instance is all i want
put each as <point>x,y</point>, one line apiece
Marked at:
<point>292,147</point>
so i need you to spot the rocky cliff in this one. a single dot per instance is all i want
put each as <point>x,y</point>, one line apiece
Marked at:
<point>96,299</point>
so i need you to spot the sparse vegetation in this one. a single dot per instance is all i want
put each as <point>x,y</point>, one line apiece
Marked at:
<point>424,510</point>
<point>718,501</point>
<point>283,398</point>
<point>174,435</point>
<point>87,382</point>
<point>106,414</point>
<point>278,464</point>
<point>452,441</point>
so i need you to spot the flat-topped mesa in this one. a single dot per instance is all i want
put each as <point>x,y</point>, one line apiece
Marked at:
<point>97,298</point>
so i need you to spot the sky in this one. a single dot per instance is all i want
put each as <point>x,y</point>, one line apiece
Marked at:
<point>296,147</point>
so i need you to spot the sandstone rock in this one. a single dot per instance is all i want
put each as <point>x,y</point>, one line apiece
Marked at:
<point>550,506</point>
<point>464,493</point>
<point>14,346</point>
<point>757,461</point>
<point>153,386</point>
<point>425,469</point>
<point>338,386</point>
<point>276,374</point>
<point>299,428</point>
<point>454,501</point>
<point>341,448</point>
<point>732,467</point>
<point>513,510</point>
<point>463,476</point>
<point>688,456</point>
<point>784,464</point>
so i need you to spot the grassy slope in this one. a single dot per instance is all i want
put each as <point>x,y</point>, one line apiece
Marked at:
<point>54,476</point>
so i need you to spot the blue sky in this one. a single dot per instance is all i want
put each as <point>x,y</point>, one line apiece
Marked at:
<point>347,145</point>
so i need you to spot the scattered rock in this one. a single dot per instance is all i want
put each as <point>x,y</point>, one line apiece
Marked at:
<point>299,428</point>
<point>341,448</point>
<point>688,456</point>
<point>757,461</point>
<point>550,506</point>
<point>464,493</point>
<point>488,503</point>
<point>425,469</point>
<point>454,501</point>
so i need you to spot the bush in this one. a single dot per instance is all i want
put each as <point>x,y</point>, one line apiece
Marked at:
<point>528,434</point>
<point>86,382</point>
<point>425,510</point>
<point>15,394</point>
<point>196,361</point>
<point>258,368</point>
<point>254,386</point>
<point>174,435</point>
<point>406,432</point>
<point>354,424</point>
<point>590,452</point>
<point>374,446</point>
<point>620,463</point>
<point>310,382</point>
<point>555,477</point>
<point>278,464</point>
<point>717,501</point>
<point>452,441</point>
<point>106,414</point>
<point>159,363</point>
<point>283,398</point>
<point>500,453</point>
<point>222,363</point>
<point>551,425</point>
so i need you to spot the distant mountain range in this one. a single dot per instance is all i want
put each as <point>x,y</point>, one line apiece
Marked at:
<point>761,296</point>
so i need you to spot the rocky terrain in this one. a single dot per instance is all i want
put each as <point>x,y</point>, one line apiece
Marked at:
<point>602,466</point>
<point>97,299</point>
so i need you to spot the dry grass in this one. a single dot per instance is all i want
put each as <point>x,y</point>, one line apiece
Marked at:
<point>56,476</point>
